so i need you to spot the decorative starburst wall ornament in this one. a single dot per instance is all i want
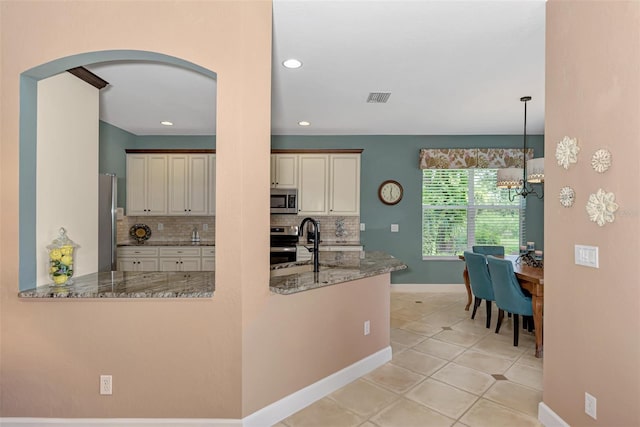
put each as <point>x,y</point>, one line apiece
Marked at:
<point>601,160</point>
<point>601,207</point>
<point>567,152</point>
<point>567,196</point>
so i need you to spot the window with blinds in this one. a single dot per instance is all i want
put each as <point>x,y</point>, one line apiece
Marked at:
<point>462,208</point>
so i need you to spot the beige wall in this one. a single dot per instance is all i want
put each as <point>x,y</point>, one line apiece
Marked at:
<point>167,358</point>
<point>591,337</point>
<point>67,191</point>
<point>223,357</point>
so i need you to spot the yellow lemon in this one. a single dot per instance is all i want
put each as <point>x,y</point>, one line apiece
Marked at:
<point>52,270</point>
<point>66,260</point>
<point>55,254</point>
<point>66,250</point>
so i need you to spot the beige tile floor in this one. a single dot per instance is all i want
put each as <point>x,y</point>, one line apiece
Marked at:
<point>447,370</point>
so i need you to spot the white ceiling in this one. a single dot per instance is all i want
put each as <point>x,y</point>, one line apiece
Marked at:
<point>452,67</point>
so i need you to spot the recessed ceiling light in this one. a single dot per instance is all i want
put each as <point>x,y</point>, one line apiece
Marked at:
<point>292,63</point>
<point>304,123</point>
<point>166,123</point>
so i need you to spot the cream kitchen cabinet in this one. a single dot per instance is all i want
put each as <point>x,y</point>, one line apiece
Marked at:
<point>211,193</point>
<point>188,184</point>
<point>137,259</point>
<point>146,184</point>
<point>208,259</point>
<point>329,184</point>
<point>284,171</point>
<point>179,259</point>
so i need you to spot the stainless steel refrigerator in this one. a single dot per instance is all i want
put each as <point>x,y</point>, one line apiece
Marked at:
<point>107,200</point>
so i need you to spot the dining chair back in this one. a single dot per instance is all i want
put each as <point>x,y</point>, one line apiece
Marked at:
<point>480,281</point>
<point>488,250</point>
<point>508,294</point>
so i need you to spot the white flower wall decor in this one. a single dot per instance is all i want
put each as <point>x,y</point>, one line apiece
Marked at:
<point>567,152</point>
<point>601,160</point>
<point>567,196</point>
<point>601,207</point>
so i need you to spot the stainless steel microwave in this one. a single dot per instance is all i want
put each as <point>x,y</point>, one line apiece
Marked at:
<point>284,201</point>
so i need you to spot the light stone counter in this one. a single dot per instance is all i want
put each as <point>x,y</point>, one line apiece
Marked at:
<point>124,284</point>
<point>166,243</point>
<point>335,267</point>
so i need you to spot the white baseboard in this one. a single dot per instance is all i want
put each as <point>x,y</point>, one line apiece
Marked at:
<point>427,287</point>
<point>266,416</point>
<point>291,404</point>
<point>119,422</point>
<point>548,418</point>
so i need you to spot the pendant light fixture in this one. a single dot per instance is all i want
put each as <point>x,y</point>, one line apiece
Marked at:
<point>517,178</point>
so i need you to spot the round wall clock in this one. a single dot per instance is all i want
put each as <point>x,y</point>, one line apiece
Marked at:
<point>390,192</point>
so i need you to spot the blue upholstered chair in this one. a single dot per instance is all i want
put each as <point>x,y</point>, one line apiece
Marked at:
<point>480,282</point>
<point>508,293</point>
<point>488,250</point>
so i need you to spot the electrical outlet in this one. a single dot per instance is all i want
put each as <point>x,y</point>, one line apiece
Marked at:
<point>205,227</point>
<point>586,255</point>
<point>395,228</point>
<point>106,386</point>
<point>367,327</point>
<point>590,403</point>
<point>160,226</point>
<point>362,227</point>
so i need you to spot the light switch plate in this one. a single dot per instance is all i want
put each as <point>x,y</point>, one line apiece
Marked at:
<point>362,227</point>
<point>586,256</point>
<point>395,228</point>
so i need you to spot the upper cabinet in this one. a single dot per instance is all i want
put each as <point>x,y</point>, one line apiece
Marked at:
<point>188,184</point>
<point>212,185</point>
<point>284,171</point>
<point>329,184</point>
<point>146,184</point>
<point>170,184</point>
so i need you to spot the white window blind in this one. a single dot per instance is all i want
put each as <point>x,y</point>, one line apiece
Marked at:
<point>462,208</point>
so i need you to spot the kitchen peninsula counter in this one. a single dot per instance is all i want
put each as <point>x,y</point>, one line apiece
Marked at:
<point>335,267</point>
<point>125,284</point>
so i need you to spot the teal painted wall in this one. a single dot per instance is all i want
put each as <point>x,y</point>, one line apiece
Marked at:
<point>396,157</point>
<point>384,157</point>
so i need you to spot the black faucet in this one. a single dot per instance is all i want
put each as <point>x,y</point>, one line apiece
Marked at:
<point>316,237</point>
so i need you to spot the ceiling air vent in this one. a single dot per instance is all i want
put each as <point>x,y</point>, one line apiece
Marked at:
<point>378,97</point>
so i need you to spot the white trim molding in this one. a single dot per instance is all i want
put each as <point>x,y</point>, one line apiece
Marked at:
<point>119,422</point>
<point>277,411</point>
<point>548,418</point>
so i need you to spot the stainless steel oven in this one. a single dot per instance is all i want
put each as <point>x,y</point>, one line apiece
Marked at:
<point>283,243</point>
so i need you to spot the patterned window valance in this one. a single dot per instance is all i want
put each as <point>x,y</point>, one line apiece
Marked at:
<point>464,158</point>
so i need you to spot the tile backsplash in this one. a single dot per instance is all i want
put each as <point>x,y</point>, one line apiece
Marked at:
<point>178,228</point>
<point>175,228</point>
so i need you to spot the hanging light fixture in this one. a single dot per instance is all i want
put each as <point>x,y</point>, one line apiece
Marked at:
<point>517,178</point>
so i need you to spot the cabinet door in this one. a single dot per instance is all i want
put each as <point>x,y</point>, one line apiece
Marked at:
<point>198,172</point>
<point>286,170</point>
<point>208,264</point>
<point>127,264</point>
<point>156,181</point>
<point>178,184</point>
<point>344,184</point>
<point>169,264</point>
<point>148,264</point>
<point>211,196</point>
<point>136,184</point>
<point>190,264</point>
<point>312,194</point>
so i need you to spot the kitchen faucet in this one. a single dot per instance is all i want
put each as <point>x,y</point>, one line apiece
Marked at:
<point>316,237</point>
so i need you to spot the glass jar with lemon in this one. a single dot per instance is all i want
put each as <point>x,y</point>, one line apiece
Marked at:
<point>61,258</point>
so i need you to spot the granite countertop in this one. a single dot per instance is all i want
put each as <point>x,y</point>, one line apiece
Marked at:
<point>167,243</point>
<point>125,284</point>
<point>336,267</point>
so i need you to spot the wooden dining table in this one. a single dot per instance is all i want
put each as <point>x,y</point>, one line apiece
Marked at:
<point>531,279</point>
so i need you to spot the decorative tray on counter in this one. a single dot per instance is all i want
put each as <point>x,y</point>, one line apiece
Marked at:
<point>140,232</point>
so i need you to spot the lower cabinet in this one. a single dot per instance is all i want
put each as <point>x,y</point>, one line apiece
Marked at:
<point>166,258</point>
